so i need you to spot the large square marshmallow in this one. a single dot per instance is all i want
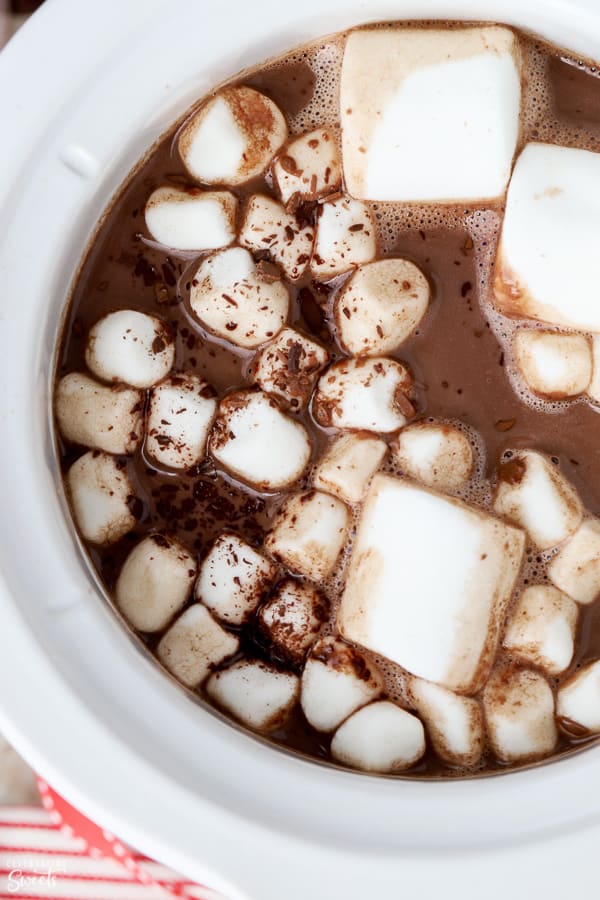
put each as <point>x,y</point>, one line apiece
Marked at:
<point>429,582</point>
<point>429,114</point>
<point>548,266</point>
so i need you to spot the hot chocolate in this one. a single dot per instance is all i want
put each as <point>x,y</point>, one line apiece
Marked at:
<point>327,413</point>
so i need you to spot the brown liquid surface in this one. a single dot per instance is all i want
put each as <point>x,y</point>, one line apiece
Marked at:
<point>461,367</point>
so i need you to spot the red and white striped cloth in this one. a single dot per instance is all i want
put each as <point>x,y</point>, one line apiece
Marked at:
<point>55,852</point>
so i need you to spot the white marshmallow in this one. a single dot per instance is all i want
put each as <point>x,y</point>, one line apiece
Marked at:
<point>576,567</point>
<point>541,629</point>
<point>438,455</point>
<point>364,394</point>
<point>349,464</point>
<point>429,114</point>
<point>346,237</point>
<point>308,167</point>
<point>545,270</point>
<point>191,219</point>
<point>292,618</point>
<point>594,386</point>
<point>98,416</point>
<point>337,680</point>
<point>309,533</point>
<point>233,579</point>
<point>230,299</point>
<point>578,701</point>
<point>553,365</point>
<point>194,645</point>
<point>233,137</point>
<point>100,490</point>
<point>257,443</point>
<point>267,226</point>
<point>429,582</point>
<point>289,367</point>
<point>380,306</point>
<point>256,693</point>
<point>532,493</point>
<point>180,413</point>
<point>380,737</point>
<point>155,582</point>
<point>454,723</point>
<point>519,711</point>
<point>131,347</point>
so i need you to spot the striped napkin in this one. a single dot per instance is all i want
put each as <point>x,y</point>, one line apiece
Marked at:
<point>54,852</point>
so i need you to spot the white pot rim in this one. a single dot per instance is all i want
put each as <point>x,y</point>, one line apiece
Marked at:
<point>78,709</point>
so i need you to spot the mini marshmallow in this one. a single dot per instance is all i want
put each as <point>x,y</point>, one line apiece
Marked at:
<point>429,114</point>
<point>578,701</point>
<point>541,629</point>
<point>532,493</point>
<point>454,723</point>
<point>98,416</point>
<point>257,694</point>
<point>289,367</point>
<point>100,492</point>
<point>233,137</point>
<point>308,167</point>
<point>346,237</point>
<point>267,226</point>
<point>180,413</point>
<point>380,737</point>
<point>292,618</point>
<point>155,582</point>
<point>519,711</point>
<point>594,386</point>
<point>553,365</point>
<point>429,582</point>
<point>257,443</point>
<point>349,464</point>
<point>233,579</point>
<point>191,219</point>
<point>545,271</point>
<point>576,567</point>
<point>438,455</point>
<point>194,645</point>
<point>230,298</point>
<point>364,394</point>
<point>309,533</point>
<point>380,306</point>
<point>336,681</point>
<point>131,347</point>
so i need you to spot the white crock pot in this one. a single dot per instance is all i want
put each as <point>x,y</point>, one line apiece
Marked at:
<point>85,88</point>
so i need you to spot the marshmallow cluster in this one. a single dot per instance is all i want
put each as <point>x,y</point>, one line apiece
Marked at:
<point>380,306</point>
<point>233,137</point>
<point>234,300</point>
<point>370,394</point>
